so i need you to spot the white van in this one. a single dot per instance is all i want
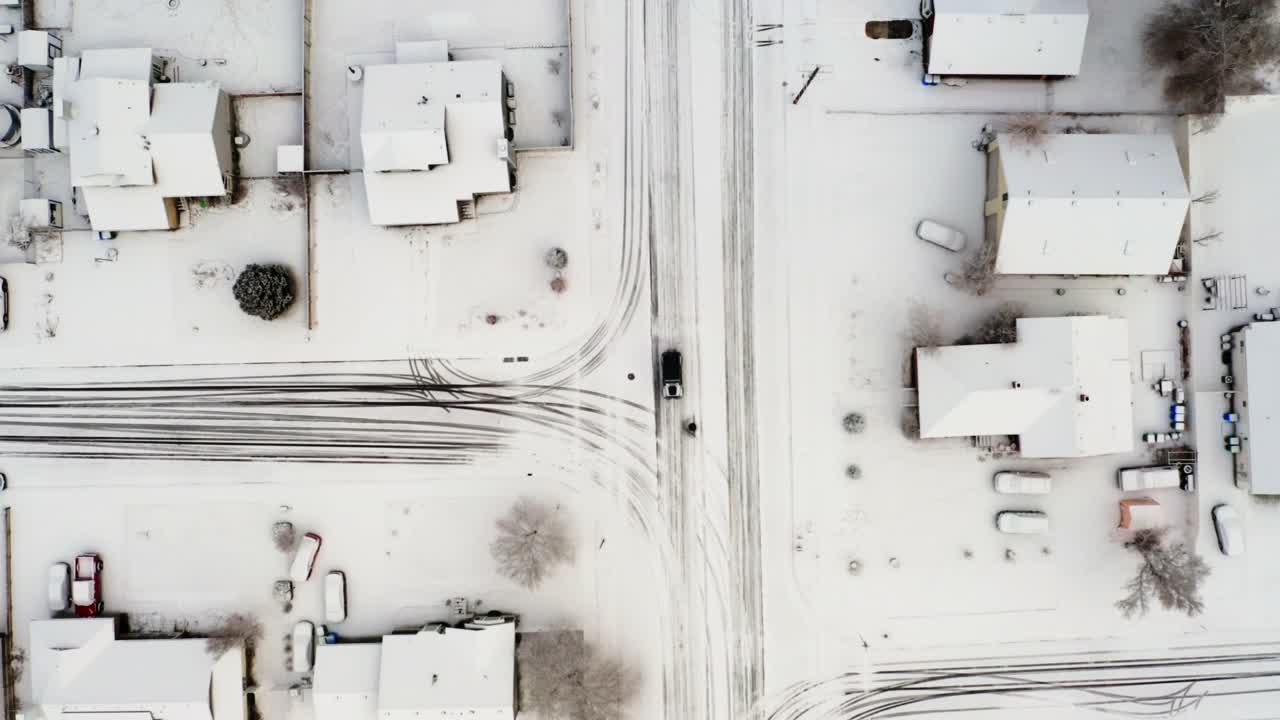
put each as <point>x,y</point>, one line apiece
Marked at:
<point>1022,522</point>
<point>1022,482</point>
<point>335,596</point>
<point>1148,478</point>
<point>303,645</point>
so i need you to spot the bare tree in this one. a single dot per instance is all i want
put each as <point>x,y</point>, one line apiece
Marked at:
<point>924,327</point>
<point>533,538</point>
<point>563,677</point>
<point>239,629</point>
<point>1211,49</point>
<point>1000,327</point>
<point>1169,573</point>
<point>979,271</point>
<point>1029,128</point>
<point>854,423</point>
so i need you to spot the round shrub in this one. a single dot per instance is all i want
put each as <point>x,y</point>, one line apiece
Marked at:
<point>264,291</point>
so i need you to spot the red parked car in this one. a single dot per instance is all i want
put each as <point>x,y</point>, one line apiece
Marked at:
<point>86,588</point>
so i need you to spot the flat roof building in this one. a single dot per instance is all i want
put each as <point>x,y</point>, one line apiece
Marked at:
<point>438,672</point>
<point>1085,204</point>
<point>1019,38</point>
<point>80,670</point>
<point>1063,388</point>
<point>434,135</point>
<point>136,146</point>
<point>1255,355</point>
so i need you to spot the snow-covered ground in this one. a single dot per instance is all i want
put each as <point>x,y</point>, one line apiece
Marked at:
<point>844,176</point>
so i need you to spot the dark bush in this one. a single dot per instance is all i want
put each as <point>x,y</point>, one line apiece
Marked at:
<point>265,291</point>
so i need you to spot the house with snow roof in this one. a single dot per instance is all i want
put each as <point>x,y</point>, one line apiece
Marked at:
<point>81,669</point>
<point>1064,388</point>
<point>1004,38</point>
<point>435,133</point>
<point>1084,204</point>
<point>440,671</point>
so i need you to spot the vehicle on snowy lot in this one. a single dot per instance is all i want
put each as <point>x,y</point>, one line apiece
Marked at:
<point>86,589</point>
<point>1230,531</point>
<point>59,587</point>
<point>941,235</point>
<point>304,560</point>
<point>1148,478</point>
<point>1022,482</point>
<point>302,646</point>
<point>1022,522</point>
<point>335,596</point>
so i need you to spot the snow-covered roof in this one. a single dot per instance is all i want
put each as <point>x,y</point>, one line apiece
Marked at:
<point>1035,388</point>
<point>168,140</point>
<point>432,135</point>
<point>182,139</point>
<point>455,672</point>
<point>140,207</point>
<point>345,682</point>
<point>1086,204</point>
<point>1260,385</point>
<point>439,672</point>
<point>80,669</point>
<point>1008,37</point>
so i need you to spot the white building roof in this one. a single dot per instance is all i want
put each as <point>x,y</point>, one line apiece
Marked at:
<point>446,673</point>
<point>1091,205</point>
<point>146,142</point>
<point>345,683</point>
<point>1261,391</point>
<point>1033,388</point>
<point>80,669</point>
<point>432,135</point>
<point>457,673</point>
<point>1008,37</point>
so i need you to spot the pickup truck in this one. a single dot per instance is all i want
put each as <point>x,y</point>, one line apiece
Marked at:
<point>1148,478</point>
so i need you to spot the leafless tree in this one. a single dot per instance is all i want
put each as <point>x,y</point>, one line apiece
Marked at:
<point>924,327</point>
<point>563,677</point>
<point>1212,236</point>
<point>533,538</point>
<point>1170,573</point>
<point>16,233</point>
<point>1210,49</point>
<point>1207,198</point>
<point>853,472</point>
<point>1000,327</point>
<point>979,271</point>
<point>1029,128</point>
<point>854,423</point>
<point>239,629</point>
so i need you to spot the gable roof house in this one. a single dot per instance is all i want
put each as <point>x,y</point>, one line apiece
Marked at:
<point>136,145</point>
<point>1063,388</point>
<point>80,670</point>
<point>450,673</point>
<point>1009,38</point>
<point>434,133</point>
<point>1085,204</point>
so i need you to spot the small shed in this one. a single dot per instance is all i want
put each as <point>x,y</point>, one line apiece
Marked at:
<point>1140,514</point>
<point>1010,38</point>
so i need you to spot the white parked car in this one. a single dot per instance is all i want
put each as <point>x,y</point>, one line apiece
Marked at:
<point>303,645</point>
<point>59,587</point>
<point>1022,482</point>
<point>1226,521</point>
<point>1022,522</point>
<point>1149,478</point>
<point>304,560</point>
<point>335,596</point>
<point>941,235</point>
